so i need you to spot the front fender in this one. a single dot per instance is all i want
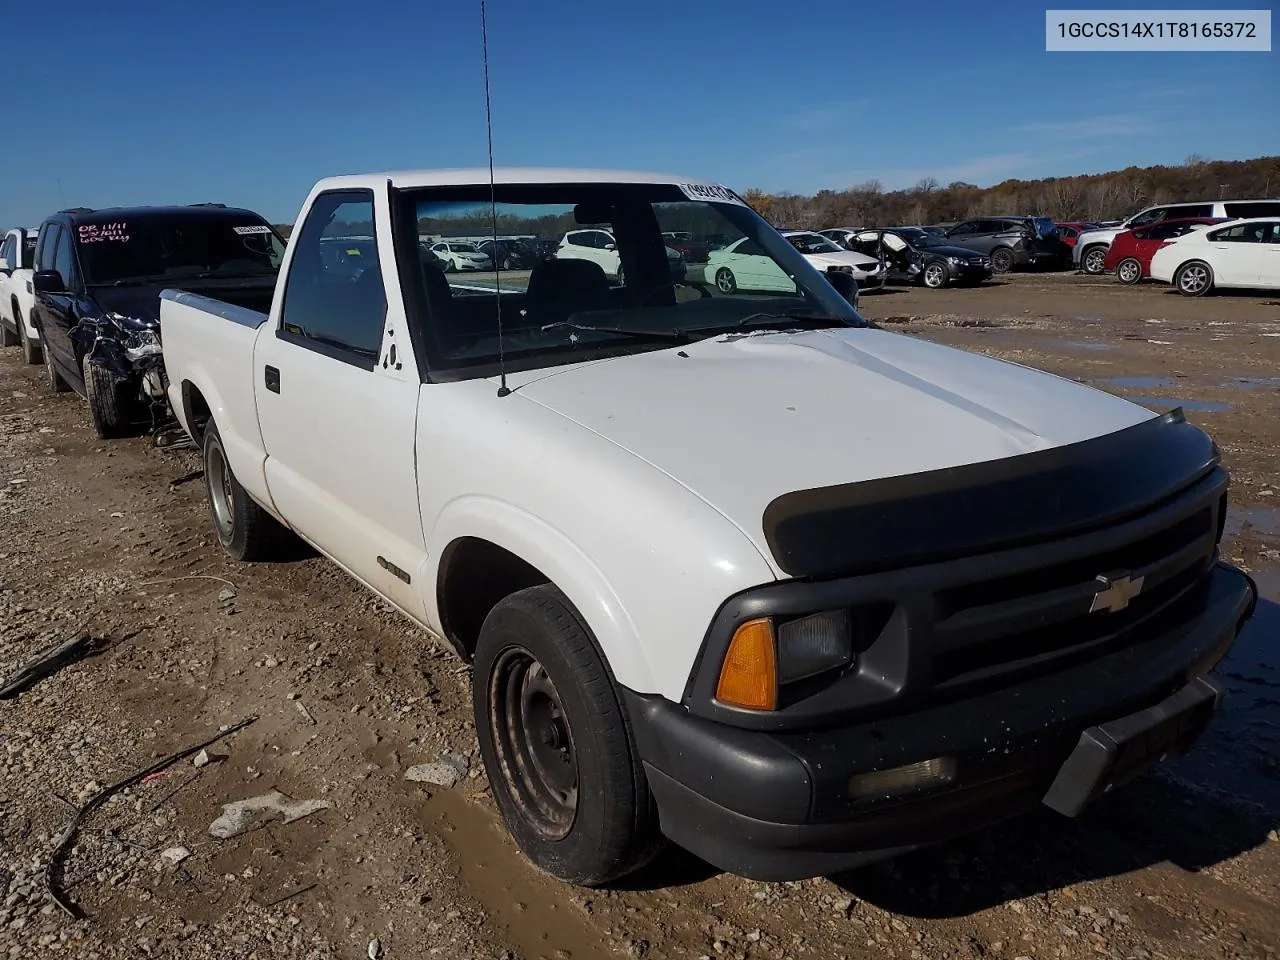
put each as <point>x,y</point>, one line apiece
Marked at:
<point>539,543</point>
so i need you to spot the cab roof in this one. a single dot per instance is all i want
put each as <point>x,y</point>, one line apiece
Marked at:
<point>477,176</point>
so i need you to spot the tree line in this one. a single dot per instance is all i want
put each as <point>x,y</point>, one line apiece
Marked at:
<point>1100,196</point>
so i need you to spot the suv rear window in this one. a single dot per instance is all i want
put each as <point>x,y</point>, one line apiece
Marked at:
<point>163,247</point>
<point>1253,208</point>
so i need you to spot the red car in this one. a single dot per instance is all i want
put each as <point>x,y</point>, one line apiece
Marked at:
<point>1130,252</point>
<point>1069,230</point>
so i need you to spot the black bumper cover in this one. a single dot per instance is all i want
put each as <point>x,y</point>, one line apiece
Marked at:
<point>775,806</point>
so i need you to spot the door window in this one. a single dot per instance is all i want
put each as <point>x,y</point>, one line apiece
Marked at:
<point>8,250</point>
<point>1253,208</point>
<point>1243,233</point>
<point>64,260</point>
<point>337,312</point>
<point>1150,216</point>
<point>44,247</point>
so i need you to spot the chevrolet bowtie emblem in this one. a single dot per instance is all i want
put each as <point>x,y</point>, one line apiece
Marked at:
<point>1116,593</point>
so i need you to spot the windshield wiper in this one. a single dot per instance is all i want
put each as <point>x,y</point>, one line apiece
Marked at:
<point>827,319</point>
<point>669,336</point>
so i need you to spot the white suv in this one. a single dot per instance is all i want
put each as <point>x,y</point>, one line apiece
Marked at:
<point>17,296</point>
<point>1090,251</point>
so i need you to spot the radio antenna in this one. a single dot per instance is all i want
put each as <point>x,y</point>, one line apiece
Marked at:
<point>493,205</point>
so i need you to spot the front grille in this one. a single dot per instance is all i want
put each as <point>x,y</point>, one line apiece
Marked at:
<point>995,628</point>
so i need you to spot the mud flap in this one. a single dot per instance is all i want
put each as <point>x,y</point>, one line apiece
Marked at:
<point>1113,753</point>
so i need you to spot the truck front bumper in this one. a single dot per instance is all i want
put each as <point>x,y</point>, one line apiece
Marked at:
<point>790,805</point>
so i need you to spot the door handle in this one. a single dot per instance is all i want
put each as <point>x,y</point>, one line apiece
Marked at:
<point>271,377</point>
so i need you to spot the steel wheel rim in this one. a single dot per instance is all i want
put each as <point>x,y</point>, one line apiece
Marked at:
<point>724,280</point>
<point>534,742</point>
<point>1128,271</point>
<point>220,494</point>
<point>933,275</point>
<point>1093,261</point>
<point>1194,278</point>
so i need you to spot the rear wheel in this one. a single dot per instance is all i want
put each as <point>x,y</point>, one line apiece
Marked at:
<point>52,376</point>
<point>245,530</point>
<point>1129,271</point>
<point>1094,260</point>
<point>1193,279</point>
<point>935,275</point>
<point>107,400</point>
<point>725,281</point>
<point>31,352</point>
<point>556,743</point>
<point>1002,260</point>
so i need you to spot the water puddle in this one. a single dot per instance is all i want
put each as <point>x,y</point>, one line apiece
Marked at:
<point>1237,756</point>
<point>540,920</point>
<point>1258,520</point>
<point>1252,383</point>
<point>1088,345</point>
<point>1140,383</point>
<point>1162,404</point>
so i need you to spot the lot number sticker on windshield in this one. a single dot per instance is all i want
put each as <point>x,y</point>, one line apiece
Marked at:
<point>100,232</point>
<point>256,228</point>
<point>710,192</point>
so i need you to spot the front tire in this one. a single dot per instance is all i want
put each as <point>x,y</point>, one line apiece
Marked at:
<point>8,339</point>
<point>1194,278</point>
<point>1002,260</point>
<point>1094,260</point>
<point>245,530</point>
<point>1129,271</point>
<point>556,743</point>
<point>105,401</point>
<point>935,276</point>
<point>726,282</point>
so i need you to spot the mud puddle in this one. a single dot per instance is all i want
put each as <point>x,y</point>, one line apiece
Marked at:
<point>1087,345</point>
<point>1140,383</point>
<point>540,920</point>
<point>1264,521</point>
<point>1238,758</point>
<point>1252,383</point>
<point>1191,406</point>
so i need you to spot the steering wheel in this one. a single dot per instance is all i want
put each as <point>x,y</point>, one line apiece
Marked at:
<point>703,292</point>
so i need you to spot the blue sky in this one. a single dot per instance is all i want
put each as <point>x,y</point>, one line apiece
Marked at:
<point>250,103</point>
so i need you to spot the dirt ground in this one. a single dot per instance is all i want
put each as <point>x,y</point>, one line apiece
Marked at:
<point>113,539</point>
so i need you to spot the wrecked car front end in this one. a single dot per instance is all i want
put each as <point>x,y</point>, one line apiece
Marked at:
<point>129,349</point>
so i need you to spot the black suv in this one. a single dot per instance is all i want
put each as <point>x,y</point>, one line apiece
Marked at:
<point>97,282</point>
<point>1012,241</point>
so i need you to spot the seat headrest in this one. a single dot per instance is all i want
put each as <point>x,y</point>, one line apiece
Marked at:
<point>579,281</point>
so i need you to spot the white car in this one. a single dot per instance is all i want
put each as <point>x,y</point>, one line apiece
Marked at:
<point>744,265</point>
<point>827,255</point>
<point>750,573</point>
<point>464,255</point>
<point>601,248</point>
<point>1090,252</point>
<point>17,296</point>
<point>1242,253</point>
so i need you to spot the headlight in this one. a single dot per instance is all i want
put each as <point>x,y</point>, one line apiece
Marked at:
<point>955,261</point>
<point>138,341</point>
<point>761,659</point>
<point>813,645</point>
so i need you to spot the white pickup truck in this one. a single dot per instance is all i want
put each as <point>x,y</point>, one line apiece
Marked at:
<point>740,568</point>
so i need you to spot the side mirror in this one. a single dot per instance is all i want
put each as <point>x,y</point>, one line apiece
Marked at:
<point>48,281</point>
<point>844,285</point>
<point>610,246</point>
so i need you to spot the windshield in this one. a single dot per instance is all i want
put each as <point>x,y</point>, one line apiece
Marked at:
<point>813,243</point>
<point>173,246</point>
<point>612,273</point>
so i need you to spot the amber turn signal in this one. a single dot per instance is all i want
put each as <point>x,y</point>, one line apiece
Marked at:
<point>749,674</point>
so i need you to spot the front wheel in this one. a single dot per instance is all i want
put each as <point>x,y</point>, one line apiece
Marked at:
<point>556,744</point>
<point>935,276</point>
<point>1002,260</point>
<point>8,339</point>
<point>1094,260</point>
<point>1193,279</point>
<point>725,281</point>
<point>1129,271</point>
<point>31,351</point>
<point>105,397</point>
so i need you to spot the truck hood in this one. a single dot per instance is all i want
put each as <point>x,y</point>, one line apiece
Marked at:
<point>743,419</point>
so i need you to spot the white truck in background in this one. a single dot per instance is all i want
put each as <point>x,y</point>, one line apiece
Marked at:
<point>737,568</point>
<point>17,294</point>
